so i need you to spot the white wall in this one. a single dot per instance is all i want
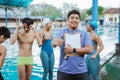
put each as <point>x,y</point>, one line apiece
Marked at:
<point>107,16</point>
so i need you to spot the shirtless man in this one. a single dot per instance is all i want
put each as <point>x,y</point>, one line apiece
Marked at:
<point>25,36</point>
<point>4,34</point>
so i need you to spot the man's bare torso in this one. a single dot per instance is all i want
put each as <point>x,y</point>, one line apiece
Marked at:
<point>25,41</point>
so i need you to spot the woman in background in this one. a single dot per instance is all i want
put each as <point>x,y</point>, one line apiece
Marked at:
<point>93,59</point>
<point>47,54</point>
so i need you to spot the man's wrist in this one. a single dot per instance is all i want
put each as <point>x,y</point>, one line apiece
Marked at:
<point>74,50</point>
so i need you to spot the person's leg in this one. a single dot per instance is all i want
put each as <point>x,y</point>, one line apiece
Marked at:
<point>64,76</point>
<point>51,66</point>
<point>21,72</point>
<point>28,71</point>
<point>94,67</point>
<point>1,78</point>
<point>81,76</point>
<point>88,67</point>
<point>45,63</point>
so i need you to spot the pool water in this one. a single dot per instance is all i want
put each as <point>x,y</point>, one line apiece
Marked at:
<point>10,70</point>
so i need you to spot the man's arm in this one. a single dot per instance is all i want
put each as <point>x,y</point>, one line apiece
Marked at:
<point>57,39</point>
<point>87,45</point>
<point>57,42</point>
<point>14,36</point>
<point>2,55</point>
<point>38,38</point>
<point>85,50</point>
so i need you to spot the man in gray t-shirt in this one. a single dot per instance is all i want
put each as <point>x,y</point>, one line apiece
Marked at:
<point>72,67</point>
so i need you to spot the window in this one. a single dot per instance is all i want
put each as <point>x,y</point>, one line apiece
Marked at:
<point>110,19</point>
<point>115,19</point>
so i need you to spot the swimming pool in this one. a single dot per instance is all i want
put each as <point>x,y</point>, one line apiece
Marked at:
<point>9,69</point>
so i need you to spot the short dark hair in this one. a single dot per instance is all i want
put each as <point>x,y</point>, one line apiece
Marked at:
<point>4,31</point>
<point>74,12</point>
<point>28,21</point>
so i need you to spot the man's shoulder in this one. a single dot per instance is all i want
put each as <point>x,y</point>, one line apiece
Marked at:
<point>82,32</point>
<point>63,30</point>
<point>60,32</point>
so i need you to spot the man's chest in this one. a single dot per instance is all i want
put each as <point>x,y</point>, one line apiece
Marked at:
<point>29,37</point>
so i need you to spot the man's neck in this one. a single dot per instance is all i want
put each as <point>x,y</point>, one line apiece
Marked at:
<point>72,28</point>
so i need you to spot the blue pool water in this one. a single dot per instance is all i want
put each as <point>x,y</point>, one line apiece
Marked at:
<point>9,69</point>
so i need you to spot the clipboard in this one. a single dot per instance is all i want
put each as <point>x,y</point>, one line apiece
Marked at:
<point>74,40</point>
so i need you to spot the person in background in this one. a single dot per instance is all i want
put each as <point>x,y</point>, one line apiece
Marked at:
<point>25,36</point>
<point>47,54</point>
<point>93,59</point>
<point>74,66</point>
<point>4,34</point>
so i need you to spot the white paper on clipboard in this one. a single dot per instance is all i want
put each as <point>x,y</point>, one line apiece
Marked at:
<point>73,40</point>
